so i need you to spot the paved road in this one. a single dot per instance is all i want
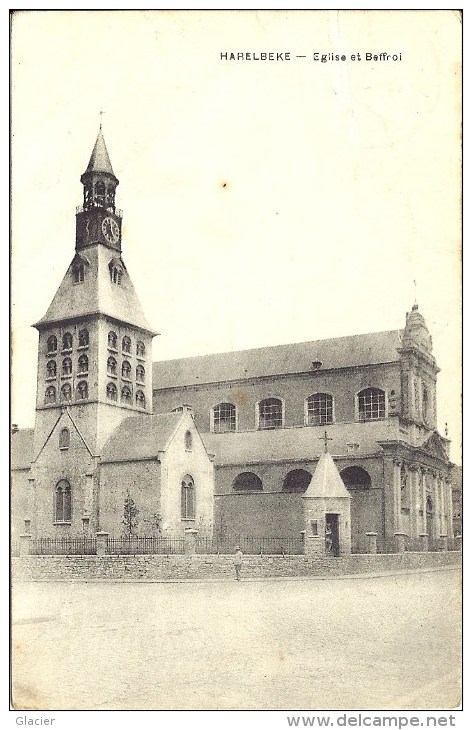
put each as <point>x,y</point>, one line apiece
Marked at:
<point>387,642</point>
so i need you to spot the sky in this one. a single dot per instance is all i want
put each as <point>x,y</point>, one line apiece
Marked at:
<point>264,202</point>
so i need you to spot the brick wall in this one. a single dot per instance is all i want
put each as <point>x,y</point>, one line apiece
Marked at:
<point>180,567</point>
<point>342,384</point>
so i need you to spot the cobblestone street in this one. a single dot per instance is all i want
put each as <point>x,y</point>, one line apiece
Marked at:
<point>383,642</point>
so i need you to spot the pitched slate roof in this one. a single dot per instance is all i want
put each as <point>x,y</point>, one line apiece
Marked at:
<point>97,294</point>
<point>100,159</point>
<point>339,352</point>
<point>22,448</point>
<point>326,481</point>
<point>296,444</point>
<point>140,437</point>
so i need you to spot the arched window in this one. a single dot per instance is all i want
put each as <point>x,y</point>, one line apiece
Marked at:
<point>297,481</point>
<point>270,413</point>
<point>62,502</point>
<point>247,481</point>
<point>112,340</point>
<point>82,390</point>
<point>64,438</point>
<point>50,396</point>
<point>140,349</point>
<point>67,366</point>
<point>126,395</point>
<point>224,418</point>
<point>371,402</point>
<point>83,364</point>
<point>319,409</point>
<point>126,370</point>
<point>140,399</point>
<point>100,193</point>
<point>140,373</point>
<point>52,344</point>
<point>112,393</point>
<point>355,477</point>
<point>67,341</point>
<point>403,487</point>
<point>188,440</point>
<point>110,195</point>
<point>78,273</point>
<point>51,369</point>
<point>188,498</point>
<point>83,338</point>
<point>126,344</point>
<point>115,274</point>
<point>111,366</point>
<point>66,392</point>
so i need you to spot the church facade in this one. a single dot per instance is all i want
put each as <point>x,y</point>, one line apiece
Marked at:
<point>227,443</point>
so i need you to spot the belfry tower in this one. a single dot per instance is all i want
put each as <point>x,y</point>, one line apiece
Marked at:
<point>94,356</point>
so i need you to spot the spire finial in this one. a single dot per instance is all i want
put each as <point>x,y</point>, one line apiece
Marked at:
<point>415,302</point>
<point>325,438</point>
<point>101,113</point>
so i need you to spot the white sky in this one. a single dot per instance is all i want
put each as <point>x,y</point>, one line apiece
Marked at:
<point>342,179</point>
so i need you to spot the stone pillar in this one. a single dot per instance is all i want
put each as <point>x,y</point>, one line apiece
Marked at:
<point>414,500</point>
<point>443,542</point>
<point>88,500</point>
<point>436,507</point>
<point>399,542</point>
<point>450,510</point>
<point>25,544</point>
<point>424,542</point>
<point>27,526</point>
<point>397,523</point>
<point>102,543</point>
<point>422,523</point>
<point>458,540</point>
<point>371,542</point>
<point>190,539</point>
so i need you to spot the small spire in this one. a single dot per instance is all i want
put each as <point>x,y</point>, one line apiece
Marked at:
<point>99,159</point>
<point>101,113</point>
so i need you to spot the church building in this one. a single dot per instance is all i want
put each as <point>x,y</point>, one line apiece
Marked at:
<point>226,443</point>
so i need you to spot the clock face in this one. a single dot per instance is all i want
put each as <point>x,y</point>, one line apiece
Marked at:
<point>110,230</point>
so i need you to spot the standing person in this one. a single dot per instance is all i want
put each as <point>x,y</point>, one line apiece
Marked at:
<point>238,561</point>
<point>329,540</point>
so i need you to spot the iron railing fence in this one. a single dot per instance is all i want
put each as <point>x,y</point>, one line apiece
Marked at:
<point>63,546</point>
<point>141,545</point>
<point>250,545</point>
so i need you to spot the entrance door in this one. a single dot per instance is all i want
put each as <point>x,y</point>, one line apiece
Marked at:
<point>332,535</point>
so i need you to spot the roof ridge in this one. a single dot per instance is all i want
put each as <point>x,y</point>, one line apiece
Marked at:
<point>286,344</point>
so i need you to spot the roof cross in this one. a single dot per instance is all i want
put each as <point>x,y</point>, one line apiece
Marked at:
<point>101,112</point>
<point>325,438</point>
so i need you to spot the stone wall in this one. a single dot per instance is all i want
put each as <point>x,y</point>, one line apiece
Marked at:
<point>181,567</point>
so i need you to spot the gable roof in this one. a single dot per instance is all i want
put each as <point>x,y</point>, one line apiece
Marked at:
<point>141,437</point>
<point>97,294</point>
<point>338,352</point>
<point>22,448</point>
<point>304,443</point>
